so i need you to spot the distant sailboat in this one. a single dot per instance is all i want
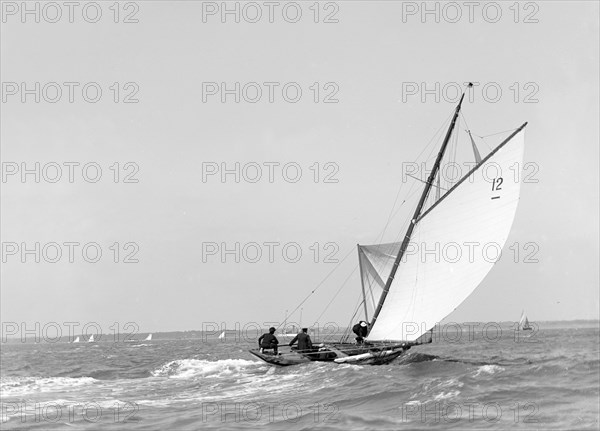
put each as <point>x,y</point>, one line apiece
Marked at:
<point>405,296</point>
<point>76,340</point>
<point>91,339</point>
<point>222,336</point>
<point>148,338</point>
<point>293,332</point>
<point>287,334</point>
<point>524,323</point>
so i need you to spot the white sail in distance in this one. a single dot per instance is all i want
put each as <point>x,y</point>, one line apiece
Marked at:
<point>522,318</point>
<point>455,244</point>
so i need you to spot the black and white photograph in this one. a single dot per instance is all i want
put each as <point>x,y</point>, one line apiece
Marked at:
<point>300,215</point>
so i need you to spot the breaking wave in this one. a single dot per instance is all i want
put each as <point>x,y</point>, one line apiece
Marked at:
<point>12,386</point>
<point>191,368</point>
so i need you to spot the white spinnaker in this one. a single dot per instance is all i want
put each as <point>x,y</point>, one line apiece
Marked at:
<point>433,279</point>
<point>376,263</point>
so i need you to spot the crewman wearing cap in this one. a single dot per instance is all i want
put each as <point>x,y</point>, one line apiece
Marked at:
<point>304,341</point>
<point>361,330</point>
<point>268,341</point>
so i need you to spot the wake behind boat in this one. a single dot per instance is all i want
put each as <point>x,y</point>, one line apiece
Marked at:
<point>405,296</point>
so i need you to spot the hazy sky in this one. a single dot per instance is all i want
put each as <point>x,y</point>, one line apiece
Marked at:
<point>171,136</point>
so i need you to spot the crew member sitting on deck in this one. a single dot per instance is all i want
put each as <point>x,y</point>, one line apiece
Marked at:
<point>304,341</point>
<point>268,341</point>
<point>361,330</point>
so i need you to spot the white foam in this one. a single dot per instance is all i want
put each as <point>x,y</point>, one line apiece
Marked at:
<point>25,409</point>
<point>347,367</point>
<point>446,395</point>
<point>191,368</point>
<point>488,369</point>
<point>227,379</point>
<point>22,385</point>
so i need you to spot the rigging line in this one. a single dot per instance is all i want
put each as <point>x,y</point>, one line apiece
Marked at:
<point>319,285</point>
<point>469,129</point>
<point>336,294</point>
<point>390,216</point>
<point>410,193</point>
<point>400,233</point>
<point>348,327</point>
<point>455,148</point>
<point>494,134</point>
<point>373,303</point>
<point>444,123</point>
<point>465,120</point>
<point>429,157</point>
<point>449,157</point>
<point>387,223</point>
<point>346,332</point>
<point>370,281</point>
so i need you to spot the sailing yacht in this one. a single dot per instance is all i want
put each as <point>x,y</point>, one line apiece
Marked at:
<point>524,322</point>
<point>292,331</point>
<point>288,334</point>
<point>91,339</point>
<point>404,295</point>
<point>148,338</point>
<point>76,340</point>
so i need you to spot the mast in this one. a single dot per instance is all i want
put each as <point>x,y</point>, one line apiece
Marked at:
<point>420,205</point>
<point>362,283</point>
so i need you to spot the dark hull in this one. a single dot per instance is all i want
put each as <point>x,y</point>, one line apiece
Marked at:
<point>282,360</point>
<point>340,353</point>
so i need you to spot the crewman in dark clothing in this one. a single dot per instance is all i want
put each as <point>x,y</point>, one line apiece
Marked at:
<point>361,330</point>
<point>304,341</point>
<point>268,341</point>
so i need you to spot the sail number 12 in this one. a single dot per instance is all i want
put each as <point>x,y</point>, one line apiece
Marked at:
<point>497,183</point>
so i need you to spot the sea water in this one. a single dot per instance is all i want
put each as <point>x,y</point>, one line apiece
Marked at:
<point>466,379</point>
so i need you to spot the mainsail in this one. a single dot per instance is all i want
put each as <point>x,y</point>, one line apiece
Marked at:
<point>455,243</point>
